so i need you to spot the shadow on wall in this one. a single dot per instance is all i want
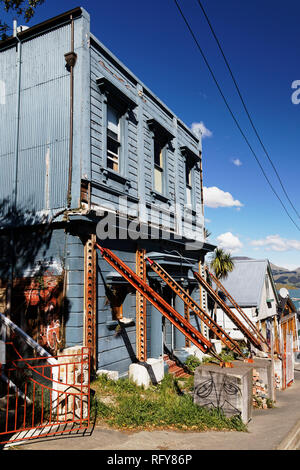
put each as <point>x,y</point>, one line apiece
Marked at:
<point>32,292</point>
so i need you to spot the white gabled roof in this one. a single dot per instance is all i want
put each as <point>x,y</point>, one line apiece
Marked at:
<point>245,283</point>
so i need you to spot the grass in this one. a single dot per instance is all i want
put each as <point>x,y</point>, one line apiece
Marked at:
<point>123,405</point>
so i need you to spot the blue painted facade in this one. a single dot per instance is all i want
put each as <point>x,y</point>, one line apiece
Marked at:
<point>35,175</point>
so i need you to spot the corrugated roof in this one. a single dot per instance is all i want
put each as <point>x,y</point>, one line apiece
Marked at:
<point>246,281</point>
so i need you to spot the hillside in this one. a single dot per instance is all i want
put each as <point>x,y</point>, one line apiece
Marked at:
<point>286,277</point>
<point>282,276</point>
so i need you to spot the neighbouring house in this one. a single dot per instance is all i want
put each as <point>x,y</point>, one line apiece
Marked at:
<point>89,153</point>
<point>252,286</point>
<point>289,342</point>
<point>295,297</point>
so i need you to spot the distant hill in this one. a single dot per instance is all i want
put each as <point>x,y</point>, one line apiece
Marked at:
<point>286,277</point>
<point>282,276</point>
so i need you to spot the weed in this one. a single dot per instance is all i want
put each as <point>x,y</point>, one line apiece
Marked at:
<point>270,403</point>
<point>192,362</point>
<point>162,406</point>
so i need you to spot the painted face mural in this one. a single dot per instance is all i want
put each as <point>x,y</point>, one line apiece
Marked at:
<point>219,391</point>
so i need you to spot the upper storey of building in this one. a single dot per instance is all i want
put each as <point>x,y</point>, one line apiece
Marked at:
<point>80,132</point>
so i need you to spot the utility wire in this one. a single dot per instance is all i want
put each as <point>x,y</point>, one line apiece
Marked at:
<point>245,107</point>
<point>232,114</point>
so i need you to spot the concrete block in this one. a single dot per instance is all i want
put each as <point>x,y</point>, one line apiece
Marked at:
<point>145,375</point>
<point>194,351</point>
<point>111,374</point>
<point>263,374</point>
<point>157,366</point>
<point>278,373</point>
<point>229,389</point>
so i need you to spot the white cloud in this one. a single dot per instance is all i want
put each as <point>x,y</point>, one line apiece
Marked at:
<point>200,130</point>
<point>288,266</point>
<point>229,242</point>
<point>277,243</point>
<point>237,162</point>
<point>215,197</point>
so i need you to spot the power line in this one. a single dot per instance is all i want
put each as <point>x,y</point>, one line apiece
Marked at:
<point>245,107</point>
<point>232,114</point>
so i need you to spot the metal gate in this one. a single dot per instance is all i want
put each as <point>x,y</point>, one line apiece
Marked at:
<point>42,397</point>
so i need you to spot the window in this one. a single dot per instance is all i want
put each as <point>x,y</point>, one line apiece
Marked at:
<point>158,167</point>
<point>188,182</point>
<point>113,139</point>
<point>162,142</point>
<point>190,162</point>
<point>117,105</point>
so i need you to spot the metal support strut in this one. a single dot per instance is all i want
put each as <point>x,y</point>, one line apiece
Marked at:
<point>252,326</point>
<point>253,340</point>
<point>159,303</point>
<point>192,305</point>
<point>141,305</point>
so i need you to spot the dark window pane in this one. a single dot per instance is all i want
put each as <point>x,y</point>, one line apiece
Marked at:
<point>113,145</point>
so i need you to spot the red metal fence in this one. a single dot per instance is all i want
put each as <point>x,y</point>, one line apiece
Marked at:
<point>42,397</point>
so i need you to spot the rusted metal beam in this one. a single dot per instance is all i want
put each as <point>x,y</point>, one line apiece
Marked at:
<point>159,303</point>
<point>187,317</point>
<point>251,325</point>
<point>253,340</point>
<point>90,301</point>
<point>141,309</point>
<point>194,307</point>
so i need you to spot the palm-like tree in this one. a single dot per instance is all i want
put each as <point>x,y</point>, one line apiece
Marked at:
<point>222,264</point>
<point>207,234</point>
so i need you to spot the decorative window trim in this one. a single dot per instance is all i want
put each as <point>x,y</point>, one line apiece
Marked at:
<point>115,95</point>
<point>193,159</point>
<point>164,137</point>
<point>124,105</point>
<point>155,195</point>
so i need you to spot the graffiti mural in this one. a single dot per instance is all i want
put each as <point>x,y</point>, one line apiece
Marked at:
<point>39,309</point>
<point>219,391</point>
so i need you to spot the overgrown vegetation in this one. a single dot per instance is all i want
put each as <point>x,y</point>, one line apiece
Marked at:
<point>192,362</point>
<point>124,405</point>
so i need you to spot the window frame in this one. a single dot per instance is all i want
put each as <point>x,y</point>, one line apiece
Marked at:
<point>191,160</point>
<point>119,100</point>
<point>116,141</point>
<point>162,138</point>
<point>160,167</point>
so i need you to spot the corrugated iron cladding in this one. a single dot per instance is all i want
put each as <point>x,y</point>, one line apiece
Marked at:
<point>44,117</point>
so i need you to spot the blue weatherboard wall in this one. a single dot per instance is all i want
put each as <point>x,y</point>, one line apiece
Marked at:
<point>137,176</point>
<point>34,167</point>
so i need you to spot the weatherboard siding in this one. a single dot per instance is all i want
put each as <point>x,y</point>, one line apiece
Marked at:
<point>138,153</point>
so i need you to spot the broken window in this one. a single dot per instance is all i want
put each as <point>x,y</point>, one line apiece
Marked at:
<point>158,166</point>
<point>188,181</point>
<point>113,139</point>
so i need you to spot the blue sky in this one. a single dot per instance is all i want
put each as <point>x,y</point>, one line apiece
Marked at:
<point>261,41</point>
